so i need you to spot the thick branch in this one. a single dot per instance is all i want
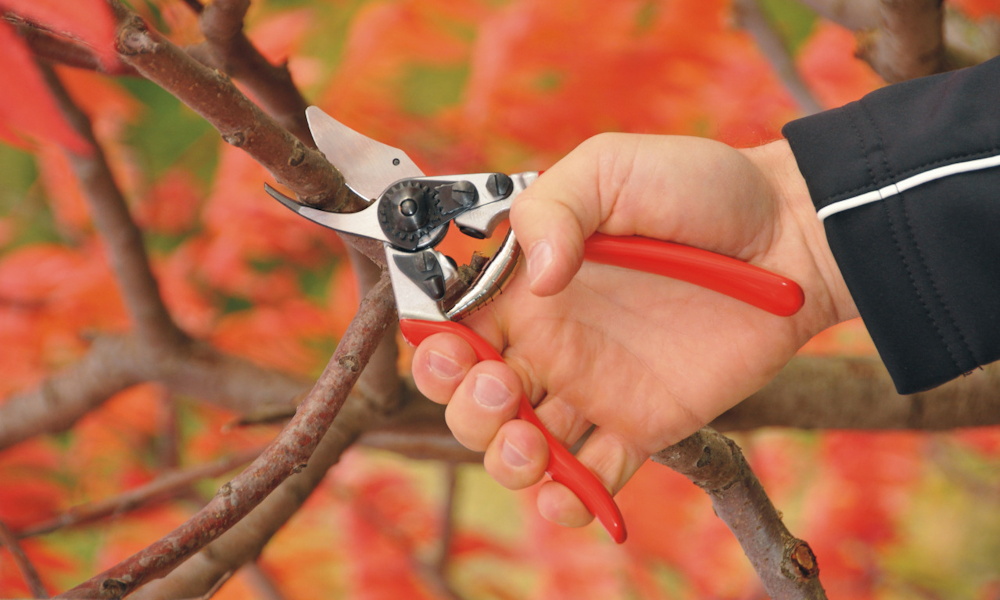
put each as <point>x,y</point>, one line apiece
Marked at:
<point>63,398</point>
<point>115,363</point>
<point>909,43</point>
<point>811,392</point>
<point>240,122</point>
<point>785,564</point>
<point>288,454</point>
<point>857,393</point>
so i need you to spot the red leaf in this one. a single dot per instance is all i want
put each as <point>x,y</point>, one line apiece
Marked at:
<point>27,109</point>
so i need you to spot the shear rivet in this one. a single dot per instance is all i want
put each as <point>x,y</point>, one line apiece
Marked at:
<point>408,207</point>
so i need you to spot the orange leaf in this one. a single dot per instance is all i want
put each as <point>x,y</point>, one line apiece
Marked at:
<point>828,65</point>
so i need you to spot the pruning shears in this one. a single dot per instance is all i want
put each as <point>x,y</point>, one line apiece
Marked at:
<point>411,213</point>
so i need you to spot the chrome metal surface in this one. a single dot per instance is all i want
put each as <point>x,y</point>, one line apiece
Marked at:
<point>488,213</point>
<point>363,223</point>
<point>491,281</point>
<point>411,300</point>
<point>368,166</point>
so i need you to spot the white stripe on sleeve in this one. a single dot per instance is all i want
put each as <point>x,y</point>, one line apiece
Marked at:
<point>908,184</point>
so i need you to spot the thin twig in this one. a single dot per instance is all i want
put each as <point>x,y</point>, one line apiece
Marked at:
<point>228,49</point>
<point>164,487</point>
<point>447,519</point>
<point>24,565</point>
<point>246,539</point>
<point>119,231</point>
<point>60,49</point>
<point>786,565</point>
<point>752,18</point>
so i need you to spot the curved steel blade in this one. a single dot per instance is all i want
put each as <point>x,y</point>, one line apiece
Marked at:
<point>368,166</point>
<point>363,223</point>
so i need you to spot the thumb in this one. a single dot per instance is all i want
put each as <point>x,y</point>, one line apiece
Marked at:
<point>555,215</point>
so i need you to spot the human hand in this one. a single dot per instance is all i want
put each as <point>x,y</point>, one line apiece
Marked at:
<point>644,359</point>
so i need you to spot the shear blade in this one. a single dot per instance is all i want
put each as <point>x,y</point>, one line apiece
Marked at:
<point>368,166</point>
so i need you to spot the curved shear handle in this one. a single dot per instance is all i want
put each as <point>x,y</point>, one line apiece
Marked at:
<point>748,283</point>
<point>563,467</point>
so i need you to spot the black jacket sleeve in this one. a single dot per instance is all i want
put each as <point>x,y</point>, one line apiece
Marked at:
<point>907,182</point>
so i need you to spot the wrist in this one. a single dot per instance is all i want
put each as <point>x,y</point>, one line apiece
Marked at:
<point>800,240</point>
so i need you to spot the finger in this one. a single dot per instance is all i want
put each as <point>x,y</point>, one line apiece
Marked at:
<point>612,461</point>
<point>554,216</point>
<point>440,364</point>
<point>563,420</point>
<point>518,455</point>
<point>486,399</point>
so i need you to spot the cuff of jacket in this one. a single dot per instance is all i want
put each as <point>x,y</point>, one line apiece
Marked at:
<point>919,263</point>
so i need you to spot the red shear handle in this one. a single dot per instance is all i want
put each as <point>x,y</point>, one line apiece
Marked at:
<point>723,274</point>
<point>563,466</point>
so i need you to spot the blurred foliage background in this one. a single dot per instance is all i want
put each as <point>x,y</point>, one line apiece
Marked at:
<point>504,85</point>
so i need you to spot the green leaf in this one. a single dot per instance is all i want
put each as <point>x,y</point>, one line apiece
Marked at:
<point>169,134</point>
<point>792,19</point>
<point>429,88</point>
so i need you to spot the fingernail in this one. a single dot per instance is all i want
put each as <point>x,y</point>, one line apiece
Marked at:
<point>512,456</point>
<point>443,366</point>
<point>539,259</point>
<point>490,392</point>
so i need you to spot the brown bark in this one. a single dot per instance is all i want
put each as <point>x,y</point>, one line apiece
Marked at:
<point>857,393</point>
<point>785,564</point>
<point>228,49</point>
<point>909,42</point>
<point>239,121</point>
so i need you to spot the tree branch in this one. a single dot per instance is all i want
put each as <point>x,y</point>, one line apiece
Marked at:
<point>62,50</point>
<point>165,486</point>
<point>376,395</point>
<point>240,122</point>
<point>751,18</point>
<point>118,230</point>
<point>63,398</point>
<point>115,363</point>
<point>228,49</point>
<point>23,563</point>
<point>909,42</point>
<point>856,393</point>
<point>785,564</point>
<point>288,454</point>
